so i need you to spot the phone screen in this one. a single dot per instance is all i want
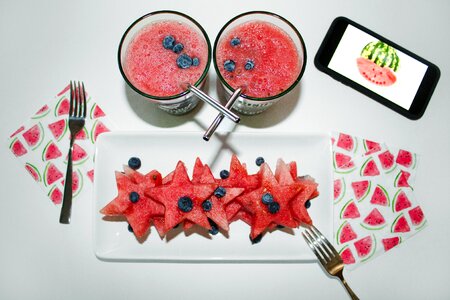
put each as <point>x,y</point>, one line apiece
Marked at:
<point>378,66</point>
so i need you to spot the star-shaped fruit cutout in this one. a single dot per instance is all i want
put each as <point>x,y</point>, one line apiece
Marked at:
<point>182,199</point>
<point>270,203</point>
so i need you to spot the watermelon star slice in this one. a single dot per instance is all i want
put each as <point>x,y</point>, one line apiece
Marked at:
<point>282,194</point>
<point>181,187</point>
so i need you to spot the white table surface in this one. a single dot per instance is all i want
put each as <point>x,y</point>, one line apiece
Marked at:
<point>47,43</point>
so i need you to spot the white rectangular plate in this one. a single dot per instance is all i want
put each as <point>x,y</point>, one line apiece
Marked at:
<point>162,150</point>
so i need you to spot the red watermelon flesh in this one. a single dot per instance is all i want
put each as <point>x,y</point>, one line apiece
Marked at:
<point>400,224</point>
<point>51,151</point>
<point>364,246</point>
<point>343,161</point>
<point>346,233</point>
<point>380,196</point>
<point>58,128</point>
<point>345,142</point>
<point>283,173</point>
<point>20,129</point>
<point>389,243</point>
<point>78,154</point>
<point>239,177</point>
<point>96,112</point>
<point>417,216</point>
<point>350,211</point>
<point>64,90</point>
<point>52,174</point>
<point>82,134</point>
<point>337,186</point>
<point>34,172</point>
<point>140,214</point>
<point>402,179</point>
<point>360,189</point>
<point>370,168</point>
<point>62,108</point>
<point>308,189</point>
<point>90,175</point>
<point>404,158</point>
<point>17,148</point>
<point>293,169</point>
<point>382,76</point>
<point>347,256</point>
<point>371,147</point>
<point>401,201</point>
<point>55,195</point>
<point>98,128</point>
<point>386,159</point>
<point>34,135</point>
<point>374,218</point>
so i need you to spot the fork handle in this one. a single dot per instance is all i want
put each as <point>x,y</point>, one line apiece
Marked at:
<point>64,217</point>
<point>349,290</point>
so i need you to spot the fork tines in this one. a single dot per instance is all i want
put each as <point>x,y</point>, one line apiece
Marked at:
<point>77,95</point>
<point>320,245</point>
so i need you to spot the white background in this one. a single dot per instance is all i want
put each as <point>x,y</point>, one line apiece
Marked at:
<point>409,74</point>
<point>47,43</point>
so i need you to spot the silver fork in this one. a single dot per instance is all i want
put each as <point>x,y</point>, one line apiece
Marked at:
<point>77,114</point>
<point>327,255</point>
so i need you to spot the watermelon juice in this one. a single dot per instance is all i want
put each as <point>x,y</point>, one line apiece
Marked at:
<point>261,53</point>
<point>160,54</point>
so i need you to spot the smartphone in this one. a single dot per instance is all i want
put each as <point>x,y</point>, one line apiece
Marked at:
<point>377,67</point>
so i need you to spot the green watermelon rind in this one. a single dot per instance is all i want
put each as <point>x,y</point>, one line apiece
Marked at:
<point>41,137</point>
<point>339,231</point>
<point>397,178</point>
<point>41,115</point>
<point>369,227</point>
<point>93,131</point>
<point>35,169</point>
<point>382,54</point>
<point>45,174</point>
<point>78,162</point>
<point>45,150</point>
<point>421,225</point>
<point>80,184</point>
<point>58,104</point>
<point>372,251</point>
<point>66,127</point>
<point>394,200</point>
<point>343,190</point>
<point>366,194</point>
<point>396,221</point>
<point>340,170</point>
<point>361,170</point>
<point>344,208</point>
<point>386,194</point>
<point>91,113</point>
<point>391,169</point>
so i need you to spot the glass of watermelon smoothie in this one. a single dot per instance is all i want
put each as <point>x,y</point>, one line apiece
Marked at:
<point>263,54</point>
<point>161,54</point>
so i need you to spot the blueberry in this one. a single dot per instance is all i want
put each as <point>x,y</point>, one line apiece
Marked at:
<point>224,174</point>
<point>249,64</point>
<point>267,198</point>
<point>235,41</point>
<point>195,61</point>
<point>134,197</point>
<point>220,192</point>
<point>168,42</point>
<point>130,229</point>
<point>185,204</point>
<point>273,207</point>
<point>308,204</point>
<point>259,161</point>
<point>207,205</point>
<point>229,65</point>
<point>214,228</point>
<point>134,163</point>
<point>257,239</point>
<point>178,48</point>
<point>184,61</point>
<point>280,226</point>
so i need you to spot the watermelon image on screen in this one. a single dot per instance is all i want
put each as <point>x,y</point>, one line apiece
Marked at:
<point>34,136</point>
<point>17,148</point>
<point>378,62</point>
<point>365,247</point>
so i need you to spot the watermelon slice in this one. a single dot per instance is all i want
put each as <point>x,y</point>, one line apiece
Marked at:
<point>20,129</point>
<point>62,107</point>
<point>350,210</point>
<point>374,220</point>
<point>380,196</point>
<point>347,142</point>
<point>382,76</point>
<point>345,233</point>
<point>140,215</point>
<point>96,112</point>
<point>347,255</point>
<point>82,134</point>
<point>371,147</point>
<point>77,183</point>
<point>339,189</point>
<point>361,189</point>
<point>401,180</point>
<point>400,224</point>
<point>389,243</point>
<point>387,161</point>
<point>369,168</point>
<point>58,128</point>
<point>34,172</point>
<point>308,191</point>
<point>51,151</point>
<point>34,136</point>
<point>343,163</point>
<point>55,195</point>
<point>17,148</point>
<point>42,112</point>
<point>417,217</point>
<point>401,201</point>
<point>365,247</point>
<point>79,155</point>
<point>51,174</point>
<point>90,175</point>
<point>98,128</point>
<point>406,158</point>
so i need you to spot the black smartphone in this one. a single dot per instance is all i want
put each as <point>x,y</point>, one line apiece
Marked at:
<point>377,67</point>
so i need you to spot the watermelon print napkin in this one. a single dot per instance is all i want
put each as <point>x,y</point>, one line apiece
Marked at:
<point>42,145</point>
<point>375,208</point>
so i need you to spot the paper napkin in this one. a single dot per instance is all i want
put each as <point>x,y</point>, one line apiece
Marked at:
<point>374,204</point>
<point>42,145</point>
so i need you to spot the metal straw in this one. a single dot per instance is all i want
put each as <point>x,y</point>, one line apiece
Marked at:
<point>220,116</point>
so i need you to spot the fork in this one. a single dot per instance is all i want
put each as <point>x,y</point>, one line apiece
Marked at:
<point>77,115</point>
<point>327,255</point>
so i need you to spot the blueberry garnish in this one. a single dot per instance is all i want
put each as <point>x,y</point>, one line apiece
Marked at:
<point>273,207</point>
<point>259,161</point>
<point>195,61</point>
<point>229,65</point>
<point>220,192</point>
<point>185,204</point>
<point>134,197</point>
<point>224,174</point>
<point>249,64</point>
<point>267,198</point>
<point>235,41</point>
<point>214,228</point>
<point>184,61</point>
<point>134,163</point>
<point>257,239</point>
<point>130,229</point>
<point>207,205</point>
<point>168,42</point>
<point>308,204</point>
<point>178,48</point>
